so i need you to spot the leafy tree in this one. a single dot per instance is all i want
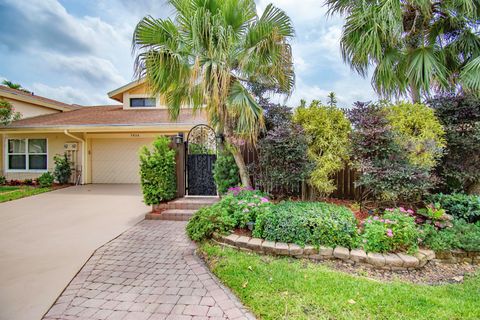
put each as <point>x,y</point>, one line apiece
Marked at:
<point>387,175</point>
<point>327,130</point>
<point>7,113</point>
<point>459,167</point>
<point>332,99</point>
<point>157,172</point>
<point>419,132</point>
<point>209,54</point>
<point>414,45</point>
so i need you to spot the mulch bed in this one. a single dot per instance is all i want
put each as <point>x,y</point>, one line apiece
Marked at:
<point>433,273</point>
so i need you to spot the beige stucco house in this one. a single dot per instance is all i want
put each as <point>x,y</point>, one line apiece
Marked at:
<point>101,141</point>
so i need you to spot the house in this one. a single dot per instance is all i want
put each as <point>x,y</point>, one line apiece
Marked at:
<point>102,142</point>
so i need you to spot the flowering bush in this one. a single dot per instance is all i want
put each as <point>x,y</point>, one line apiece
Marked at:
<point>394,231</point>
<point>245,204</point>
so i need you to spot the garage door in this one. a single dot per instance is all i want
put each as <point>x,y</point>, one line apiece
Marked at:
<point>116,160</point>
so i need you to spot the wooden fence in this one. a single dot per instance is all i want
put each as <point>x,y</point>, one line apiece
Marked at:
<point>344,180</point>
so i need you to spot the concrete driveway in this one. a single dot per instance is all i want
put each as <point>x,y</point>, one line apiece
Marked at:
<point>46,239</point>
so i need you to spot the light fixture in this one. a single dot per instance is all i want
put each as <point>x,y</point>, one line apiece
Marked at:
<point>219,138</point>
<point>179,138</point>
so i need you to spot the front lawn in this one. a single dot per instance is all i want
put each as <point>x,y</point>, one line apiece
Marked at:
<point>283,288</point>
<point>8,193</point>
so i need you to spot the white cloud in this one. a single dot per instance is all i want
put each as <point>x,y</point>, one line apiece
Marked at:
<point>70,95</point>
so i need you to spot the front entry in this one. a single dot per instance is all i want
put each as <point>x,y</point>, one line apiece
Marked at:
<point>201,156</point>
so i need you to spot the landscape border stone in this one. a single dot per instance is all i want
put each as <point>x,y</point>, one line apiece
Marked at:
<point>389,261</point>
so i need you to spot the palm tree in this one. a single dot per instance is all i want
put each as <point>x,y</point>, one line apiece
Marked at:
<point>332,99</point>
<point>416,46</point>
<point>12,85</point>
<point>209,55</point>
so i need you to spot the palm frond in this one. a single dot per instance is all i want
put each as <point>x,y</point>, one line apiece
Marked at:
<point>470,76</point>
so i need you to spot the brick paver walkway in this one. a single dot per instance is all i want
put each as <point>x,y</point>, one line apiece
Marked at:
<point>149,272</point>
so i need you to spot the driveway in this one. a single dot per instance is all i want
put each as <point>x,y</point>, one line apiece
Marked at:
<point>46,239</point>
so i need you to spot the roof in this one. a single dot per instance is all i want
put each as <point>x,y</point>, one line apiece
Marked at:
<point>117,94</point>
<point>20,95</point>
<point>110,115</point>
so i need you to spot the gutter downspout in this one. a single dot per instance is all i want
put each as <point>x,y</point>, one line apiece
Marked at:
<point>84,145</point>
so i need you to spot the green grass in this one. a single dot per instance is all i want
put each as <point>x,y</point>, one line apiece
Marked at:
<point>8,193</point>
<point>283,288</point>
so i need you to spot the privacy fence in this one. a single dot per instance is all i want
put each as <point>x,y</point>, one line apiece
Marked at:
<point>344,180</point>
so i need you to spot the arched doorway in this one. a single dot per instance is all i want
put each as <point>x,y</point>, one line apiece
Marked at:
<point>201,150</point>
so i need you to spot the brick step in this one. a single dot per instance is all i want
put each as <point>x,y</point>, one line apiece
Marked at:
<point>187,203</point>
<point>171,214</point>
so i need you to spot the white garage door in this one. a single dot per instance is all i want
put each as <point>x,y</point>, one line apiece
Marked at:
<point>116,160</point>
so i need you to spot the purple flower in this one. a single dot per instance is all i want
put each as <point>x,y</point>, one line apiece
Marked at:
<point>376,218</point>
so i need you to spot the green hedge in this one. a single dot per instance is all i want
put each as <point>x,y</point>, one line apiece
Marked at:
<point>157,172</point>
<point>314,223</point>
<point>462,235</point>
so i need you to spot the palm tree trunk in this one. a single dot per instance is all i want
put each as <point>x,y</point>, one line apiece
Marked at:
<point>415,94</point>
<point>242,167</point>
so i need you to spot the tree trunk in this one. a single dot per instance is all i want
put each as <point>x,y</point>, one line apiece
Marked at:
<point>415,94</point>
<point>242,167</point>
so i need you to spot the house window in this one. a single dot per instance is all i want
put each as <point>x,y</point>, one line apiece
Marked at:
<point>27,154</point>
<point>142,102</point>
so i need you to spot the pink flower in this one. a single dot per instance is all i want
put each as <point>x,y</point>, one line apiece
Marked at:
<point>389,233</point>
<point>402,209</point>
<point>263,199</point>
<point>375,218</point>
<point>251,204</point>
<point>389,209</point>
<point>364,240</point>
<point>410,211</point>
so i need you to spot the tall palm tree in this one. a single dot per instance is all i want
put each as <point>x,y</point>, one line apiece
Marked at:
<point>209,55</point>
<point>416,46</point>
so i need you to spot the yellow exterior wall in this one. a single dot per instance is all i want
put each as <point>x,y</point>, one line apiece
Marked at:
<point>29,110</point>
<point>55,146</point>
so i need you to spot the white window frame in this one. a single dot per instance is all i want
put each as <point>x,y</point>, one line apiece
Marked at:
<point>26,154</point>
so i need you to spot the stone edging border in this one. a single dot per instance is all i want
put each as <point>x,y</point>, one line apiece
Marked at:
<point>389,261</point>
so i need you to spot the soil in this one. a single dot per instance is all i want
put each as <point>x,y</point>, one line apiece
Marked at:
<point>242,232</point>
<point>433,273</point>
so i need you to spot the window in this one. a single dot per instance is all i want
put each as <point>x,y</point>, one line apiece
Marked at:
<point>27,154</point>
<point>142,102</point>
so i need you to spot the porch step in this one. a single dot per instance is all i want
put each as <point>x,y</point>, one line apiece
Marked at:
<point>172,214</point>
<point>186,203</point>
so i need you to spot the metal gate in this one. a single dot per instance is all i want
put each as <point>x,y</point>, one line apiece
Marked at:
<point>201,150</point>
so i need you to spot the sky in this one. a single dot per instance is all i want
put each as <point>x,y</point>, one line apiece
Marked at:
<point>76,51</point>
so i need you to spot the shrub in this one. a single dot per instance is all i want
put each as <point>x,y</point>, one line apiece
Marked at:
<point>46,180</point>
<point>387,173</point>
<point>394,231</point>
<point>3,180</point>
<point>7,113</point>
<point>225,172</point>
<point>282,161</point>
<point>62,171</point>
<point>313,223</point>
<point>462,235</point>
<point>157,172</point>
<point>209,220</point>
<point>327,130</point>
<point>245,205</point>
<point>418,132</point>
<point>460,165</point>
<point>459,205</point>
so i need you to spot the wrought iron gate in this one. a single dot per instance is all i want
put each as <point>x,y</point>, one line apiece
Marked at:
<point>201,150</point>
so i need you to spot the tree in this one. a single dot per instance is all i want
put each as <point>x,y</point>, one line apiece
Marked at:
<point>208,56</point>
<point>12,85</point>
<point>414,45</point>
<point>327,130</point>
<point>332,99</point>
<point>7,113</point>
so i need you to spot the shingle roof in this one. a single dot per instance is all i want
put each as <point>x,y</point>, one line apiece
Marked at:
<point>22,95</point>
<point>111,115</point>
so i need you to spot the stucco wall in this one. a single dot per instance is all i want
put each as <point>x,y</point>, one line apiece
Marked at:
<point>29,110</point>
<point>55,146</point>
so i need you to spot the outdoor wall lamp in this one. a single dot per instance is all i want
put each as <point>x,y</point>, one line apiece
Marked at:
<point>179,138</point>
